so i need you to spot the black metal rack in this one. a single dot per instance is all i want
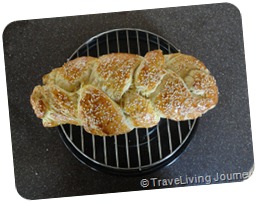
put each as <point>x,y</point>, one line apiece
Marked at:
<point>141,150</point>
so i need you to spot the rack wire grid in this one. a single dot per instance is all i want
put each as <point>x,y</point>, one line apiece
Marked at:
<point>141,150</point>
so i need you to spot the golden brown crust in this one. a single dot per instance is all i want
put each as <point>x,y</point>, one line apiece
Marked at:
<point>100,115</point>
<point>38,102</point>
<point>63,106</point>
<point>181,64</point>
<point>150,72</point>
<point>115,93</point>
<point>114,73</point>
<point>54,105</point>
<point>187,91</point>
<point>139,110</point>
<point>72,74</point>
<point>169,96</point>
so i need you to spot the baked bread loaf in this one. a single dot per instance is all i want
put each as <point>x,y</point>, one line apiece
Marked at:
<point>118,92</point>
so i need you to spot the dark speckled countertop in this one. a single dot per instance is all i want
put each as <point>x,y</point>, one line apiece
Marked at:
<point>222,145</point>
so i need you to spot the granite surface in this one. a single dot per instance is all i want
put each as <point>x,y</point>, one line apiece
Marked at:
<point>222,145</point>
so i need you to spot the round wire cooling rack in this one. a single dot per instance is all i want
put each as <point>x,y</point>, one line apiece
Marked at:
<point>141,150</point>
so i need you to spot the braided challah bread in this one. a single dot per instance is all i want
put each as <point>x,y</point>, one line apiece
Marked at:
<point>118,92</point>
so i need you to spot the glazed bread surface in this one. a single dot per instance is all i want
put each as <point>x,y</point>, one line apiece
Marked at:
<point>117,92</point>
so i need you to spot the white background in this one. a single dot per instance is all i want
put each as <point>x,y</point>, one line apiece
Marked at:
<point>11,10</point>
